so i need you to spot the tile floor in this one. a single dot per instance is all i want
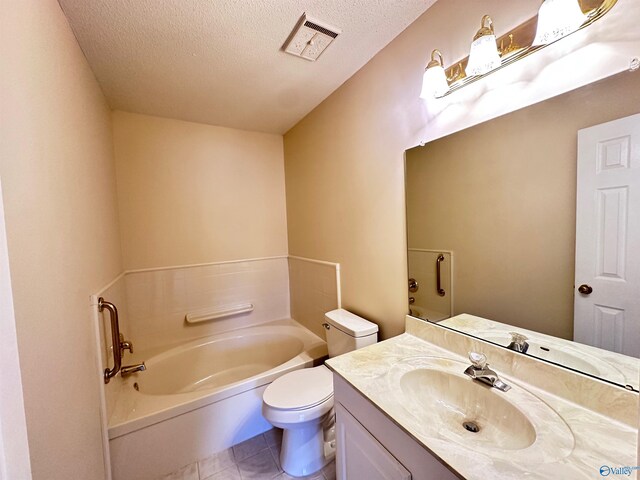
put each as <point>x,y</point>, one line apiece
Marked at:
<point>255,459</point>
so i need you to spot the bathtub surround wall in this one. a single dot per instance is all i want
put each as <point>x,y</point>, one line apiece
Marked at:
<point>190,193</point>
<point>58,183</point>
<point>159,299</point>
<point>344,161</point>
<point>152,303</point>
<point>314,287</point>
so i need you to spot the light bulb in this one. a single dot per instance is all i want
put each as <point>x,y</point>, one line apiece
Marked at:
<point>434,80</point>
<point>557,19</point>
<point>483,56</point>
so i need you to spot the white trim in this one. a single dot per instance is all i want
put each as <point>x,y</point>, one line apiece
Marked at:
<point>225,262</point>
<point>104,421</point>
<point>321,262</point>
<point>176,267</point>
<point>338,285</point>
<point>450,252</point>
<point>106,287</point>
<point>193,265</point>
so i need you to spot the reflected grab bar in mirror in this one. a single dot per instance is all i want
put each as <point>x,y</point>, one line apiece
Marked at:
<point>439,288</point>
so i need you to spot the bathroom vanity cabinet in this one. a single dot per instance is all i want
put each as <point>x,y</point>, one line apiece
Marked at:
<point>371,446</point>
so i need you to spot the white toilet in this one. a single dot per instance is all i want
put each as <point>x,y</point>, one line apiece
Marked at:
<point>301,402</point>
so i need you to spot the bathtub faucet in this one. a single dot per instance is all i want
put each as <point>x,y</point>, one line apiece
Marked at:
<point>125,345</point>
<point>129,369</point>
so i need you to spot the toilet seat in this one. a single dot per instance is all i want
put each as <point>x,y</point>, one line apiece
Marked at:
<point>300,390</point>
<point>299,397</point>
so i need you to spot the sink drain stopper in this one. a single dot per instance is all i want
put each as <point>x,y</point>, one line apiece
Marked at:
<point>471,427</point>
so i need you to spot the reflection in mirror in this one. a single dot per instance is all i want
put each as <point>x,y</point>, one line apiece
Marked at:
<point>535,217</point>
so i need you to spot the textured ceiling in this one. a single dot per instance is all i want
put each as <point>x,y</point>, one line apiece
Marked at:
<point>221,61</point>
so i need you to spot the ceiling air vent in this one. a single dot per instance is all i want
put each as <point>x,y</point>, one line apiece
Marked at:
<point>310,38</point>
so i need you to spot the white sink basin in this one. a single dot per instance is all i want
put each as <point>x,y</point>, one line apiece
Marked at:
<point>453,401</point>
<point>449,405</point>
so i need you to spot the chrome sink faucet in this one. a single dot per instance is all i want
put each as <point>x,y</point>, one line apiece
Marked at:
<point>479,370</point>
<point>518,342</point>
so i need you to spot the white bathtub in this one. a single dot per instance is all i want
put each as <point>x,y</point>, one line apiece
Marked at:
<point>202,396</point>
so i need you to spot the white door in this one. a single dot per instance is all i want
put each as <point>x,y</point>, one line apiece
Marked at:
<point>607,312</point>
<point>360,456</point>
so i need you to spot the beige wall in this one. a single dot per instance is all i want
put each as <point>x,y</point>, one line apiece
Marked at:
<point>502,196</point>
<point>344,161</point>
<point>61,217</point>
<point>191,193</point>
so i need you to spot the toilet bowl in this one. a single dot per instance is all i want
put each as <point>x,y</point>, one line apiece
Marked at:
<point>301,402</point>
<point>306,418</point>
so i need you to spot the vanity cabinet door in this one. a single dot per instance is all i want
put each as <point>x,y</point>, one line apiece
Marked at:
<point>359,455</point>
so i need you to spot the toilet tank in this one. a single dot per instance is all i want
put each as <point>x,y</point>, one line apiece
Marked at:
<point>347,332</point>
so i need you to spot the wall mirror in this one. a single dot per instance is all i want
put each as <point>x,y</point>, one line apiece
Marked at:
<point>525,230</point>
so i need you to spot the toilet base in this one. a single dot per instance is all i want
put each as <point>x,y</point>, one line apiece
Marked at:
<point>307,449</point>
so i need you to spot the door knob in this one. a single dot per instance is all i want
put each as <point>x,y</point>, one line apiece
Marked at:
<point>585,289</point>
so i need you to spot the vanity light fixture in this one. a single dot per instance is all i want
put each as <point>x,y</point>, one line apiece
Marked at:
<point>434,80</point>
<point>557,19</point>
<point>484,55</point>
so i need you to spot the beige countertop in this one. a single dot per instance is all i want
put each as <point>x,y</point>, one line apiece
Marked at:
<point>581,441</point>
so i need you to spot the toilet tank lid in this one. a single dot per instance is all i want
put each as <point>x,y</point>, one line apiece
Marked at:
<point>350,323</point>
